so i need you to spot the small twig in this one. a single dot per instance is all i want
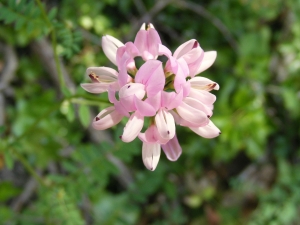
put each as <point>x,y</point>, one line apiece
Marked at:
<point>6,75</point>
<point>28,191</point>
<point>45,52</point>
<point>10,65</point>
<point>207,15</point>
<point>148,16</point>
<point>140,6</point>
<point>54,44</point>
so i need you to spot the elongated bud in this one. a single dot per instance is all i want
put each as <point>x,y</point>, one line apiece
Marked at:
<point>110,46</point>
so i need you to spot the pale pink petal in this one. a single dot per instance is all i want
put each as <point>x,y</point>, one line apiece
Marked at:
<point>133,127</point>
<point>165,124</point>
<point>150,155</point>
<point>102,74</point>
<point>203,96</point>
<point>198,105</point>
<point>203,83</point>
<point>172,149</point>
<point>95,87</point>
<point>208,131</point>
<point>144,108</point>
<point>107,118</point>
<point>191,114</point>
<point>185,48</point>
<point>110,46</point>
<point>131,89</point>
<point>112,95</point>
<point>184,67</point>
<point>194,59</point>
<point>208,59</point>
<point>152,75</point>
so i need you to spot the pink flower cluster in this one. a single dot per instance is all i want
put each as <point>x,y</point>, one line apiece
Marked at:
<point>168,93</point>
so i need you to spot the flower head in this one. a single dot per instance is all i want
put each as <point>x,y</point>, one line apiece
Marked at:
<point>168,93</point>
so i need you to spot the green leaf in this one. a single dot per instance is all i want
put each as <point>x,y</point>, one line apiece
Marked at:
<point>9,161</point>
<point>84,115</point>
<point>52,13</point>
<point>67,109</point>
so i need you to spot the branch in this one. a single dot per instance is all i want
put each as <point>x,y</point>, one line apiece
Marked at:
<point>210,17</point>
<point>6,75</point>
<point>148,16</point>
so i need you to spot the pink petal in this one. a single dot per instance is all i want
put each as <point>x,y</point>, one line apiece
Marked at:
<point>121,109</point>
<point>165,124</point>
<point>152,136</point>
<point>144,108</point>
<point>153,42</point>
<point>122,66</point>
<point>193,115</point>
<point>171,65</point>
<point>133,127</point>
<point>155,100</point>
<point>203,83</point>
<point>110,46</point>
<point>95,88</point>
<point>208,59</point>
<point>107,118</point>
<point>103,74</point>
<point>179,80</point>
<point>128,103</point>
<point>150,155</point>
<point>171,100</point>
<point>172,149</point>
<point>151,74</point>
<point>147,42</point>
<point>132,50</point>
<point>208,131</point>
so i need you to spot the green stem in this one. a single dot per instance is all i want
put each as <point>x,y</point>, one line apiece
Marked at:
<point>28,167</point>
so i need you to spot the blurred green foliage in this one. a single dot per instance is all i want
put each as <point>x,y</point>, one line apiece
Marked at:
<point>248,175</point>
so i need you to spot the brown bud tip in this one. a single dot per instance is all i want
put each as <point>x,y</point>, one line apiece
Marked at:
<point>97,118</point>
<point>151,168</point>
<point>220,132</point>
<point>120,136</point>
<point>208,116</point>
<point>196,44</point>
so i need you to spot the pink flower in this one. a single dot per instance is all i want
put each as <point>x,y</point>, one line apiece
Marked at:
<point>162,92</point>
